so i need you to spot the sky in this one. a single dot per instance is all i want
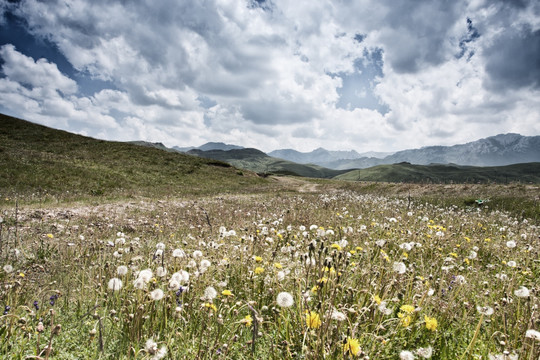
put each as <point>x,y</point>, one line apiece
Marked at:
<point>364,75</point>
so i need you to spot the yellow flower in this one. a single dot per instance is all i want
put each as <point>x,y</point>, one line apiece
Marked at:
<point>278,266</point>
<point>431,323</point>
<point>405,319</point>
<point>259,270</point>
<point>336,246</point>
<point>227,293</point>
<point>247,320</point>
<point>407,308</point>
<point>21,275</point>
<point>258,259</point>
<point>313,320</point>
<point>211,306</point>
<point>50,236</point>
<point>351,346</point>
<point>377,299</point>
<point>454,254</point>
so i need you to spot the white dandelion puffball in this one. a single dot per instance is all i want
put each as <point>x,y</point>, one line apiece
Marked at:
<point>522,292</point>
<point>485,310</point>
<point>122,270</point>
<point>8,268</point>
<point>157,294</point>
<point>512,263</point>
<point>197,254</point>
<point>178,253</point>
<point>115,284</point>
<point>338,315</point>
<point>533,334</point>
<point>210,293</point>
<point>146,275</point>
<point>285,299</point>
<point>511,244</point>
<point>425,352</point>
<point>406,355</point>
<point>400,267</point>
<point>161,271</point>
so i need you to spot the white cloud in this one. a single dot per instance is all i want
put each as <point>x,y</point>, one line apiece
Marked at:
<point>270,71</point>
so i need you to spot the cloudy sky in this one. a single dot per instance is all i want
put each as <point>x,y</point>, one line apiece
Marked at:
<point>381,75</point>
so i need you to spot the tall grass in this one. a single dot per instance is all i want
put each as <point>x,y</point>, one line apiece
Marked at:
<point>370,276</point>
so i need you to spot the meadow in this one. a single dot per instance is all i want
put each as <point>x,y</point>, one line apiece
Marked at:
<point>293,270</point>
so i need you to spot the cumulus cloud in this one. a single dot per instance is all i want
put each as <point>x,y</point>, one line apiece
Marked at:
<point>368,75</point>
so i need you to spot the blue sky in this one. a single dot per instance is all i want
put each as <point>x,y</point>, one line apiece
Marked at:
<point>366,75</point>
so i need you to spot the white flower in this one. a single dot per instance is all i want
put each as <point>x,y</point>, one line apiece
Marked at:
<point>161,271</point>
<point>406,246</point>
<point>151,346</point>
<point>173,284</point>
<point>157,294</point>
<point>160,246</point>
<point>380,243</point>
<point>485,310</point>
<point>122,270</point>
<point>115,284</point>
<point>533,334</point>
<point>197,254</point>
<point>505,356</point>
<point>338,315</point>
<point>205,264</point>
<point>425,352</point>
<point>146,275</point>
<point>460,279</point>
<point>511,244</point>
<point>473,254</point>
<point>8,268</point>
<point>382,308</point>
<point>139,283</point>
<point>512,263</point>
<point>522,292</point>
<point>399,267</point>
<point>406,355</point>
<point>210,293</point>
<point>285,299</point>
<point>280,275</point>
<point>160,354</point>
<point>178,253</point>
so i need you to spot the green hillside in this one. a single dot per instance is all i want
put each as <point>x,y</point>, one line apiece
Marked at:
<point>405,172</point>
<point>257,161</point>
<point>40,162</point>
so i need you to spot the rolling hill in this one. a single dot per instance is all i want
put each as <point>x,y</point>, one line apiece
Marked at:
<point>257,161</point>
<point>39,161</point>
<point>437,173</point>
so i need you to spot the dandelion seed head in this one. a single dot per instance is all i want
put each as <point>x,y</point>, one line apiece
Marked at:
<point>178,253</point>
<point>156,294</point>
<point>210,293</point>
<point>533,334</point>
<point>406,355</point>
<point>122,270</point>
<point>485,310</point>
<point>285,299</point>
<point>114,284</point>
<point>522,292</point>
<point>425,353</point>
<point>8,268</point>
<point>399,267</point>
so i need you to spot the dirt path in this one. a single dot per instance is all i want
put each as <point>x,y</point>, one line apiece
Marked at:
<point>296,184</point>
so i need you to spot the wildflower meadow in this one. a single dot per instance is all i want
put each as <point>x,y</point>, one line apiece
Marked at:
<point>333,274</point>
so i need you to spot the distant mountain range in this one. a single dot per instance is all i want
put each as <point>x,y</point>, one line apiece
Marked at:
<point>499,150</point>
<point>209,146</point>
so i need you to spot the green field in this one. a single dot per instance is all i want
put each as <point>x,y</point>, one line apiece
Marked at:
<point>119,251</point>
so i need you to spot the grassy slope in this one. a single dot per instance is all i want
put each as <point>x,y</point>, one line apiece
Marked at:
<point>405,172</point>
<point>255,160</point>
<point>36,160</point>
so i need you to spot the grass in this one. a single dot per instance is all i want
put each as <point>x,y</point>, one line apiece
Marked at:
<point>338,254</point>
<point>186,258</point>
<point>44,164</point>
